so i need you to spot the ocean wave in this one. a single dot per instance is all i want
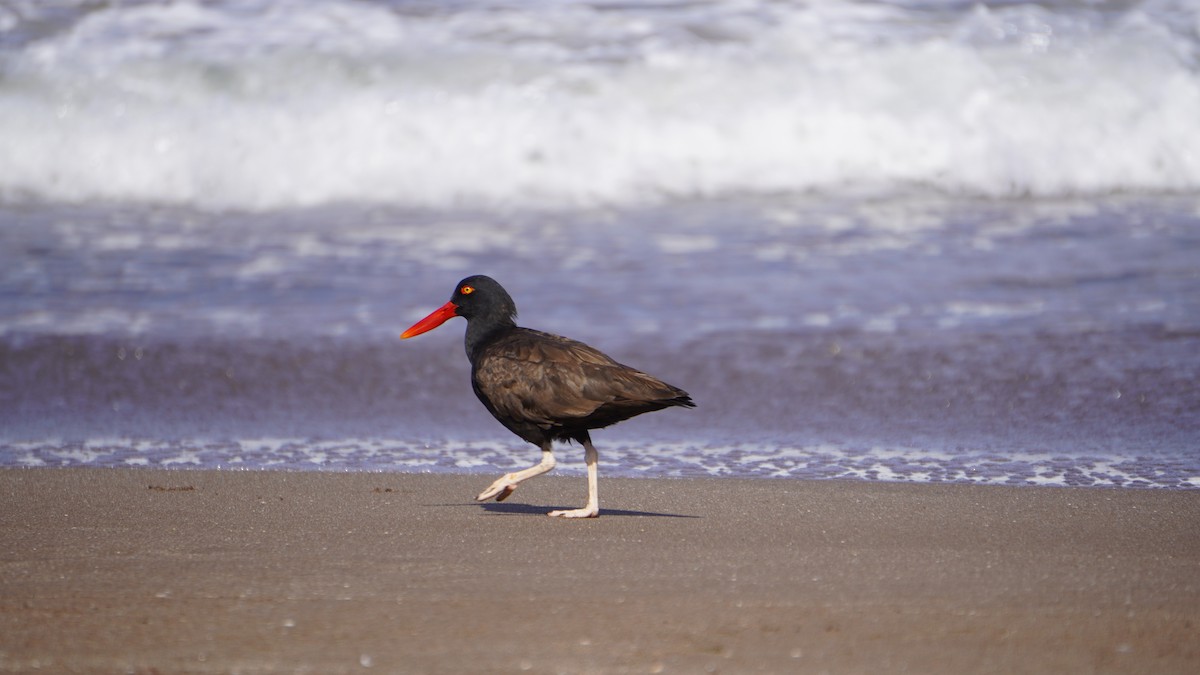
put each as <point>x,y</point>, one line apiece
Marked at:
<point>273,104</point>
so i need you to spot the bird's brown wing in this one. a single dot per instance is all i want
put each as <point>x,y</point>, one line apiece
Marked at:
<point>550,381</point>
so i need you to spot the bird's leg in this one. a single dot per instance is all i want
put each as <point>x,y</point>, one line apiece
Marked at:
<point>504,485</point>
<point>592,510</point>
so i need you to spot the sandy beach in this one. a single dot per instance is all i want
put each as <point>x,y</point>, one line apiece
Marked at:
<point>927,269</point>
<point>148,571</point>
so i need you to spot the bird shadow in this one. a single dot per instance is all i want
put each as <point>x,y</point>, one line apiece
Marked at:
<point>502,509</point>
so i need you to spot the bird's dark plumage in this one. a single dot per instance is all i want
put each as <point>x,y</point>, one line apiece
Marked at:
<point>544,387</point>
<point>540,386</point>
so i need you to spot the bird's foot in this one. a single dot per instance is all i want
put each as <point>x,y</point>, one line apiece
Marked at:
<point>585,512</point>
<point>501,489</point>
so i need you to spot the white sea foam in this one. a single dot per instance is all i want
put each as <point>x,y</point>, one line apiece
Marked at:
<point>285,103</point>
<point>682,459</point>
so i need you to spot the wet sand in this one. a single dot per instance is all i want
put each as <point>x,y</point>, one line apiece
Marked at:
<point>149,571</point>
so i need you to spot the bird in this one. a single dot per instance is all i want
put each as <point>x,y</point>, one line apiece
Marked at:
<point>544,387</point>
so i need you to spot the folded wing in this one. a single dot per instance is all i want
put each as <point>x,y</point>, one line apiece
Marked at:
<point>541,385</point>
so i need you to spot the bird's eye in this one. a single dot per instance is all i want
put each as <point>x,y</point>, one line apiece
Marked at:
<point>467,290</point>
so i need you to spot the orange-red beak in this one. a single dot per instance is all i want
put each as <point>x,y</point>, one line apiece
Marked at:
<point>437,318</point>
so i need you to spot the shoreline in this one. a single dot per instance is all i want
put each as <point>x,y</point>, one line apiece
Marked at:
<point>198,571</point>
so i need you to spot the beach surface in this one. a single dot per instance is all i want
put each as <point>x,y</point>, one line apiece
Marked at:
<point>200,571</point>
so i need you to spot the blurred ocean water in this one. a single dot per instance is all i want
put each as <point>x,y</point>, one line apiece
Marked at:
<point>932,241</point>
<point>266,104</point>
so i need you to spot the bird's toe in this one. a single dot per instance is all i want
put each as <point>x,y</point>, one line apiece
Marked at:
<point>501,489</point>
<point>577,513</point>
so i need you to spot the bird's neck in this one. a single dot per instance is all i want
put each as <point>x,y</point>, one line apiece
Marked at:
<point>482,330</point>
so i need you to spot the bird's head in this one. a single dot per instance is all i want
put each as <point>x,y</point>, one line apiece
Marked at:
<point>477,297</point>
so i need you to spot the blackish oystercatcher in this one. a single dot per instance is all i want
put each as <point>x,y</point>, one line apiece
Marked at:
<point>543,387</point>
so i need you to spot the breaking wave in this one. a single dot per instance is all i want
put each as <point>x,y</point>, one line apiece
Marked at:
<point>286,103</point>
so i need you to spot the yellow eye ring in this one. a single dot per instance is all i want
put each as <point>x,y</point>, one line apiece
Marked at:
<point>467,290</point>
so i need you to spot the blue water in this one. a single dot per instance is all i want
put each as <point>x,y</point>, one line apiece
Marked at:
<point>884,241</point>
